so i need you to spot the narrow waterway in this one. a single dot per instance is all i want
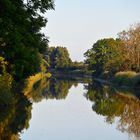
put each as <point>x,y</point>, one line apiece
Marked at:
<point>77,111</point>
<point>74,109</point>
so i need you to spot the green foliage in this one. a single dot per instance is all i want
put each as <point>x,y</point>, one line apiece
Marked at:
<point>112,103</point>
<point>128,78</point>
<point>10,126</point>
<point>78,66</point>
<point>58,57</point>
<point>57,89</point>
<point>20,38</point>
<point>105,55</point>
<point>106,102</point>
<point>53,88</point>
<point>34,87</point>
<point>124,78</point>
<point>59,61</point>
<point>13,105</point>
<point>108,56</point>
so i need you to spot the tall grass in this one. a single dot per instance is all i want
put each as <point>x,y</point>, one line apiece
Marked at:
<point>32,80</point>
<point>128,78</point>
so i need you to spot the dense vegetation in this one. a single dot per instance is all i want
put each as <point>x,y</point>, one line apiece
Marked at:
<point>13,105</point>
<point>105,56</point>
<point>58,57</point>
<point>109,56</point>
<point>22,46</point>
<point>24,52</point>
<point>59,62</point>
<point>21,40</point>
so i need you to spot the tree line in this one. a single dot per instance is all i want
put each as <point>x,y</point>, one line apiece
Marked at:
<point>110,55</point>
<point>24,48</point>
<point>58,58</point>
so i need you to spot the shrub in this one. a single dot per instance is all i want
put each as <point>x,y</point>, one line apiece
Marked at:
<point>125,78</point>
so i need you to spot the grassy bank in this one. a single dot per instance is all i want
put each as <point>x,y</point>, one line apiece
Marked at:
<point>128,78</point>
<point>32,80</point>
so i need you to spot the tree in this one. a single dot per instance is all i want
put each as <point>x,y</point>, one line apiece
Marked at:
<point>105,55</point>
<point>62,58</point>
<point>58,57</point>
<point>131,47</point>
<point>21,41</point>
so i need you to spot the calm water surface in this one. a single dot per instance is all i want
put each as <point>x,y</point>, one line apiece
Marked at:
<point>73,109</point>
<point>68,110</point>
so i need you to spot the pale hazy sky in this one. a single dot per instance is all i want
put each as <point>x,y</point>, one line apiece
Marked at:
<point>77,24</point>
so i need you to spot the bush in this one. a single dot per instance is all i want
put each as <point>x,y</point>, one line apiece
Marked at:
<point>125,78</point>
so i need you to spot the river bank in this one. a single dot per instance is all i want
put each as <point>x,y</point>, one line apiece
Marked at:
<point>127,80</point>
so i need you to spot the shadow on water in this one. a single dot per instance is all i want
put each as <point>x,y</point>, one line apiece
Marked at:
<point>15,111</point>
<point>114,102</point>
<point>110,102</point>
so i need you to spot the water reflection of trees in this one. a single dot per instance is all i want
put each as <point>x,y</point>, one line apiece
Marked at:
<point>109,102</point>
<point>15,118</point>
<point>15,107</point>
<point>58,89</point>
<point>15,112</point>
<point>113,102</point>
<point>35,92</point>
<point>50,89</point>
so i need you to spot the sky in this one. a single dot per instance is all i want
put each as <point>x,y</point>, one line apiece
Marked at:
<point>78,24</point>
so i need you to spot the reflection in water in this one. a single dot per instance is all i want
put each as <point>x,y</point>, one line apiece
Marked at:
<point>15,107</point>
<point>51,89</point>
<point>35,92</point>
<point>112,103</point>
<point>58,89</point>
<point>15,111</point>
